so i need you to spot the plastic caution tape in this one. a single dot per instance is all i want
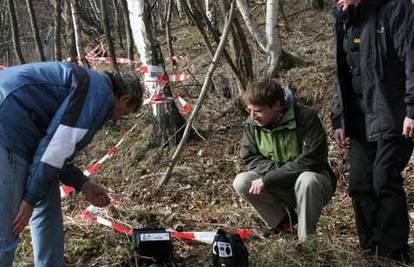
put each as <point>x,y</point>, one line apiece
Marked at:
<point>66,190</point>
<point>185,106</point>
<point>206,237</point>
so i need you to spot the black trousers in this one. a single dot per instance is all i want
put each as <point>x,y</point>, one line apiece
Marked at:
<point>378,197</point>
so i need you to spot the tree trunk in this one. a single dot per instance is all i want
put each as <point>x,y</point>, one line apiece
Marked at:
<point>179,9</point>
<point>107,30</point>
<point>70,39</point>
<point>78,31</point>
<point>118,24</point>
<point>251,23</point>
<point>211,13</point>
<point>168,121</point>
<point>274,46</point>
<point>128,30</point>
<point>15,32</point>
<point>35,30</point>
<point>168,33</point>
<point>58,30</point>
<point>240,47</point>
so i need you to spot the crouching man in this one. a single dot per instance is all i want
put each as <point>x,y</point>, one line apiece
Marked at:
<point>284,148</point>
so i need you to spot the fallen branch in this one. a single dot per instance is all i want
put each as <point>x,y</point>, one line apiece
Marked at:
<point>201,98</point>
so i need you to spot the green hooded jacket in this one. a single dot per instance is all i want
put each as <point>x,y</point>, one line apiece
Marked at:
<point>281,152</point>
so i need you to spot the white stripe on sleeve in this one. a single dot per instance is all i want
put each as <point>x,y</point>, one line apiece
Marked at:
<point>62,145</point>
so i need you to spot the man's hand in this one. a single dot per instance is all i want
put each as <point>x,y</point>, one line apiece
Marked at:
<point>257,186</point>
<point>95,194</point>
<point>22,218</point>
<point>341,139</point>
<point>408,128</point>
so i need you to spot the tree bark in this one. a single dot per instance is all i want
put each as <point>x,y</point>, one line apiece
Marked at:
<point>251,23</point>
<point>274,47</point>
<point>128,30</point>
<point>70,32</point>
<point>108,36</point>
<point>35,30</point>
<point>58,30</point>
<point>78,31</point>
<point>168,121</point>
<point>118,24</point>
<point>168,33</point>
<point>15,33</point>
<point>211,13</point>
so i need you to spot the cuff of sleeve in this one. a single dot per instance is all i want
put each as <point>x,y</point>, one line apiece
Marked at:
<point>31,199</point>
<point>410,112</point>
<point>77,184</point>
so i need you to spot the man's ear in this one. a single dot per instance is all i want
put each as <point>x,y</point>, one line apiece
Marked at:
<point>277,107</point>
<point>126,98</point>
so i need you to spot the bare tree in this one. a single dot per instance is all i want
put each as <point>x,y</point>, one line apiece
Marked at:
<point>35,30</point>
<point>78,32</point>
<point>118,24</point>
<point>274,46</point>
<point>168,121</point>
<point>58,30</point>
<point>128,30</point>
<point>270,42</point>
<point>107,29</point>
<point>70,39</point>
<point>15,32</point>
<point>211,13</point>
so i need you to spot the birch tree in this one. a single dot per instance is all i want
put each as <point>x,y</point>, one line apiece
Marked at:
<point>168,121</point>
<point>211,13</point>
<point>270,42</point>
<point>78,31</point>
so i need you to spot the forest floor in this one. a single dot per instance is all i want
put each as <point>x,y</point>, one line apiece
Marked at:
<point>200,197</point>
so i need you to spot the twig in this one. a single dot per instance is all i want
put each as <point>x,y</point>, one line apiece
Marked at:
<point>201,98</point>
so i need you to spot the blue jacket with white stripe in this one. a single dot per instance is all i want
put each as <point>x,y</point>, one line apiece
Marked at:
<point>48,112</point>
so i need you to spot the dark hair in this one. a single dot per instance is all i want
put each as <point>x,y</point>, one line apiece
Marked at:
<point>264,92</point>
<point>126,83</point>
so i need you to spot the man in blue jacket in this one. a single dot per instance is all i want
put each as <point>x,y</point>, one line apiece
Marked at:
<point>48,112</point>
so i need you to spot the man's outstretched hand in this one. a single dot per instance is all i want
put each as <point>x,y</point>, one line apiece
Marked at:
<point>95,194</point>
<point>22,218</point>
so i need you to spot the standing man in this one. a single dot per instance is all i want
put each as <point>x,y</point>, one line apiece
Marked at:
<point>48,112</point>
<point>374,106</point>
<point>285,151</point>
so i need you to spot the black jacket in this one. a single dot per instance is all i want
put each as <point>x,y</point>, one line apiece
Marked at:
<point>387,68</point>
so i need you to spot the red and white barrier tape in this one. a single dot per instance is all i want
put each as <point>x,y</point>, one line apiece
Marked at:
<point>107,60</point>
<point>89,214</point>
<point>66,190</point>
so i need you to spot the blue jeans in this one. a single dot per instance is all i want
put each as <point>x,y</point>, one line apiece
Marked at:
<point>46,223</point>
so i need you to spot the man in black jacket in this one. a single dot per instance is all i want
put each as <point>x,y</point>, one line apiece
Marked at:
<point>374,106</point>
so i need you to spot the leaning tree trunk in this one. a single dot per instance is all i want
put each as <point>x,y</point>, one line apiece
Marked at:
<point>168,121</point>
<point>58,29</point>
<point>107,30</point>
<point>15,32</point>
<point>128,30</point>
<point>78,31</point>
<point>251,23</point>
<point>35,30</point>
<point>274,47</point>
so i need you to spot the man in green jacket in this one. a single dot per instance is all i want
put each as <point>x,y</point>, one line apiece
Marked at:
<point>284,148</point>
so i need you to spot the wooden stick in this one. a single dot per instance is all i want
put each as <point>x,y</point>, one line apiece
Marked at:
<point>201,98</point>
